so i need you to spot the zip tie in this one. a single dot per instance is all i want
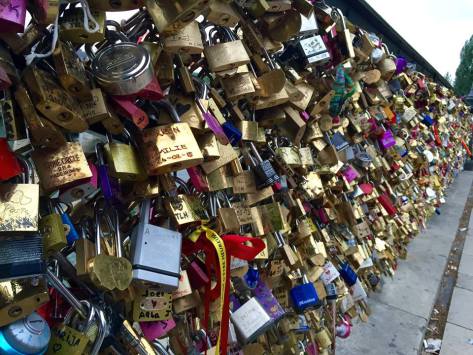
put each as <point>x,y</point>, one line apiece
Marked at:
<point>87,16</point>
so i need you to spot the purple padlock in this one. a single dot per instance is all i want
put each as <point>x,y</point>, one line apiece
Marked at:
<point>12,16</point>
<point>387,140</point>
<point>266,298</point>
<point>350,173</point>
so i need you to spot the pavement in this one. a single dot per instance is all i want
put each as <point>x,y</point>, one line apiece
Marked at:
<point>400,312</point>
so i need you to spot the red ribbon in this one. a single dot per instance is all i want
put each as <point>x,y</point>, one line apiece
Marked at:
<point>235,246</point>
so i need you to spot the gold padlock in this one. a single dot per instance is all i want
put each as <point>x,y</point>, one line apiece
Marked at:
<point>71,71</point>
<point>53,101</point>
<point>71,26</point>
<point>60,167</point>
<point>171,147</point>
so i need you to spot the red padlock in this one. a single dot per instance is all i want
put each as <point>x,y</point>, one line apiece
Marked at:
<point>12,16</point>
<point>126,107</point>
<point>10,165</point>
<point>386,202</point>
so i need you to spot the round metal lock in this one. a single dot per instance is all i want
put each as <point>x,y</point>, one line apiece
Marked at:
<point>29,335</point>
<point>122,68</point>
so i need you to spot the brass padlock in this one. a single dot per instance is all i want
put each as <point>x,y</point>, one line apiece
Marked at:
<point>42,131</point>
<point>109,272</point>
<point>171,16</point>
<point>71,71</point>
<point>225,55</point>
<point>186,40</point>
<point>71,26</point>
<point>60,167</point>
<point>20,298</point>
<point>123,159</point>
<point>19,204</point>
<point>171,147</point>
<point>53,101</point>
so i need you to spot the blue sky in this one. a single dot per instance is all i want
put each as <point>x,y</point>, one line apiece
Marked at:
<point>437,29</point>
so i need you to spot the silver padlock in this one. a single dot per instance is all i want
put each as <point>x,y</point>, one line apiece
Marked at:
<point>314,50</point>
<point>122,68</point>
<point>250,320</point>
<point>155,252</point>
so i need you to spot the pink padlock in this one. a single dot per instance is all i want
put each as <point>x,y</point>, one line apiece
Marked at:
<point>197,179</point>
<point>12,16</point>
<point>154,330</point>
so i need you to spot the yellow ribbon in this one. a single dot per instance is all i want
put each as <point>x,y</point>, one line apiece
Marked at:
<point>219,246</point>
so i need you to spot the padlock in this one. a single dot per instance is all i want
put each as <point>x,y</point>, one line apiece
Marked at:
<point>222,14</point>
<point>58,168</point>
<point>24,257</point>
<point>85,251</point>
<point>387,66</point>
<point>108,185</point>
<point>122,77</point>
<point>348,48</point>
<point>123,160</point>
<point>52,101</point>
<point>304,296</point>
<point>12,16</point>
<point>71,233</point>
<point>81,194</point>
<point>250,320</point>
<point>149,268</point>
<point>186,40</point>
<point>225,55</point>
<point>71,71</point>
<point>170,17</point>
<point>42,131</point>
<point>66,339</point>
<point>73,22</point>
<point>152,305</point>
<point>170,147</point>
<point>264,171</point>
<point>10,165</point>
<point>30,335</point>
<point>21,298</point>
<point>109,271</point>
<point>19,204</point>
<point>52,229</point>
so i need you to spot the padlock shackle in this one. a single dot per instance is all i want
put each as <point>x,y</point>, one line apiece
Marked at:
<point>168,107</point>
<point>64,291</point>
<point>102,330</point>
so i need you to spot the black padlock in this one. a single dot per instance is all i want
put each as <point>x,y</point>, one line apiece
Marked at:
<point>264,171</point>
<point>21,257</point>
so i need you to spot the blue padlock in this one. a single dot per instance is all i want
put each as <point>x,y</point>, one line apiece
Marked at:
<point>347,274</point>
<point>427,120</point>
<point>233,134</point>
<point>252,277</point>
<point>72,235</point>
<point>304,296</point>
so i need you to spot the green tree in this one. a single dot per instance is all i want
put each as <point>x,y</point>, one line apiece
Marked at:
<point>449,78</point>
<point>464,73</point>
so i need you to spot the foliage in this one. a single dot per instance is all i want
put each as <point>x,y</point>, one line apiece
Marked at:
<point>464,73</point>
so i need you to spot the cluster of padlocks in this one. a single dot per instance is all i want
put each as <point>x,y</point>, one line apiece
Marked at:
<point>229,177</point>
